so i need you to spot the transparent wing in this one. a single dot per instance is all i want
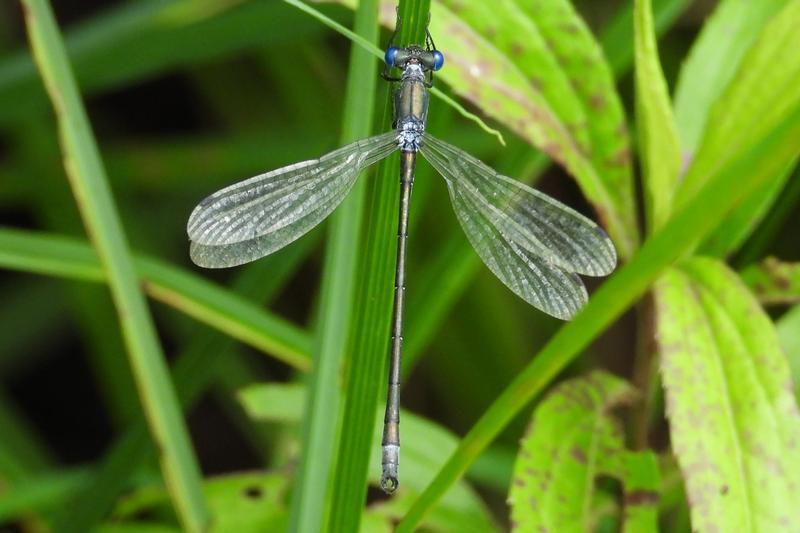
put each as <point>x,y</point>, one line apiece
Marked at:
<point>258,216</point>
<point>533,243</point>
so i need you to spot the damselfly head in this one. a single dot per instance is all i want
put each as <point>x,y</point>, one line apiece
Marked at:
<point>427,59</point>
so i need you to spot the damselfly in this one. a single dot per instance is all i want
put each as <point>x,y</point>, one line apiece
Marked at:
<point>534,244</point>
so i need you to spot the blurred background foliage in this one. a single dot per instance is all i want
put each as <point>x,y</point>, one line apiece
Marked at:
<point>186,97</point>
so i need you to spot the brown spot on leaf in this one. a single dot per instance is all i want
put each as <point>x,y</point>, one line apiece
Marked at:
<point>641,497</point>
<point>597,101</point>
<point>570,28</point>
<point>723,490</point>
<point>516,49</point>
<point>578,454</point>
<point>622,158</point>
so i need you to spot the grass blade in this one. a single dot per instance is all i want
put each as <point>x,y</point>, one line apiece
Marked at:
<point>311,487</point>
<point>365,370</point>
<point>658,138</point>
<point>723,191</point>
<point>90,186</point>
<point>713,61</point>
<point>193,372</point>
<point>198,298</point>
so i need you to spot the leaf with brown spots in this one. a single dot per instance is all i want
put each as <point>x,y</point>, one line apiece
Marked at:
<point>734,422</point>
<point>572,439</point>
<point>774,281</point>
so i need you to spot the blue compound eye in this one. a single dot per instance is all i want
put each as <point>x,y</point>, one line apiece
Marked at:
<point>438,60</point>
<point>391,53</point>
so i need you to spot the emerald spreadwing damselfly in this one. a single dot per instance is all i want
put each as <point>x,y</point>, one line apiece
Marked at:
<point>534,244</point>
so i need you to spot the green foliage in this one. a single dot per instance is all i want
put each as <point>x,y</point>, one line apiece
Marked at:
<point>658,140</point>
<point>267,85</point>
<point>573,439</point>
<point>426,447</point>
<point>734,423</point>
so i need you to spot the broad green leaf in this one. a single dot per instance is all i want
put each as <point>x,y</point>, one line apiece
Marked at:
<point>764,91</point>
<point>774,281</point>
<point>572,439</point>
<point>425,447</point>
<point>553,88</point>
<point>713,62</point>
<point>659,146</point>
<point>734,423</point>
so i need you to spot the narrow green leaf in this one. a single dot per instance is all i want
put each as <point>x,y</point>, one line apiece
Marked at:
<point>658,139</point>
<point>90,187</point>
<point>425,447</point>
<point>724,190</point>
<point>774,220</point>
<point>712,64</point>
<point>44,492</point>
<point>734,423</point>
<point>66,257</point>
<point>311,490</point>
<point>764,91</point>
<point>616,38</point>
<point>774,281</point>
<point>199,366</point>
<point>760,93</point>
<point>745,219</point>
<point>571,440</point>
<point>365,368</point>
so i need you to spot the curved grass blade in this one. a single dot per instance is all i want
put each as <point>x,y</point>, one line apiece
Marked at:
<point>729,186</point>
<point>66,257</point>
<point>89,183</point>
<point>734,423</point>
